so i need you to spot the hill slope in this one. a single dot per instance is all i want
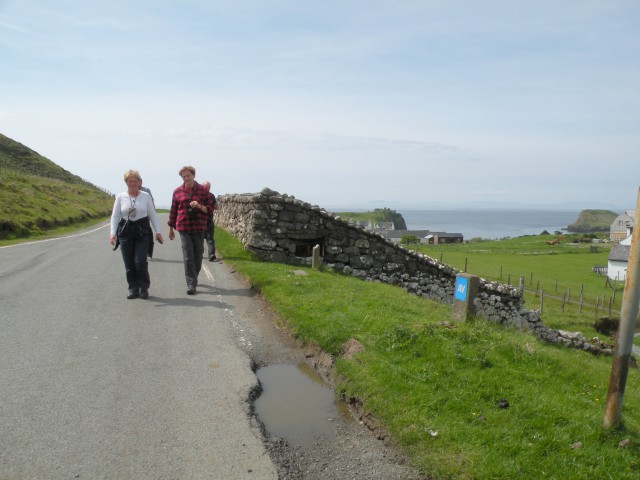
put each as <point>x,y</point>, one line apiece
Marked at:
<point>593,221</point>
<point>37,195</point>
<point>379,215</point>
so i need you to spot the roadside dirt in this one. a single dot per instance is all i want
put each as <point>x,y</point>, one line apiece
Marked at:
<point>358,450</point>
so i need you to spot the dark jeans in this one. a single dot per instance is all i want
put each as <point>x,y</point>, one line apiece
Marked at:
<point>134,253</point>
<point>192,250</point>
<point>211,242</point>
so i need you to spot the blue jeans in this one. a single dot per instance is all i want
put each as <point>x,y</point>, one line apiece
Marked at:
<point>192,250</point>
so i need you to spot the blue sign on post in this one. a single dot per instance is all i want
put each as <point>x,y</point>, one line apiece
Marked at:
<point>462,288</point>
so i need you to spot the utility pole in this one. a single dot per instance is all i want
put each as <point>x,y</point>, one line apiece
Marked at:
<point>624,342</point>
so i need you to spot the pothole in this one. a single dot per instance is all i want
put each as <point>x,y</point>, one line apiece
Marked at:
<point>297,405</point>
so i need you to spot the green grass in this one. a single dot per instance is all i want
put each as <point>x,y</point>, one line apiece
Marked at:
<point>55,232</point>
<point>435,386</point>
<point>553,271</point>
<point>33,205</point>
<point>38,197</point>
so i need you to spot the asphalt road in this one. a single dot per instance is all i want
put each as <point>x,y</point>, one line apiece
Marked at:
<point>96,386</point>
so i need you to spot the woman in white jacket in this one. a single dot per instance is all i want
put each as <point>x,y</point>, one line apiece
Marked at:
<point>133,213</point>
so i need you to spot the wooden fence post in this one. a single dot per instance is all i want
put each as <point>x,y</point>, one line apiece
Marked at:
<point>581,300</point>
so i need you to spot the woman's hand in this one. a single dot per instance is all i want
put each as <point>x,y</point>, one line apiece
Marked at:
<point>159,238</point>
<point>112,239</point>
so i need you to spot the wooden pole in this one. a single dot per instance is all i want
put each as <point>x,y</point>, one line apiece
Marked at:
<point>624,340</point>
<point>580,306</point>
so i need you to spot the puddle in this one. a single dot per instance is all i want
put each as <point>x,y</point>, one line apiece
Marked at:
<point>296,405</point>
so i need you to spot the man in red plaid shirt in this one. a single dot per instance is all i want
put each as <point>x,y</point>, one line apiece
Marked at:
<point>190,208</point>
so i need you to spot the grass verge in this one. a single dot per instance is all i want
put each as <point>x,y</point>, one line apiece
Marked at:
<point>57,232</point>
<point>465,401</point>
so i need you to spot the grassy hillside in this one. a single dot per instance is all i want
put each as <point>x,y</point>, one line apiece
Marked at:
<point>593,221</point>
<point>37,195</point>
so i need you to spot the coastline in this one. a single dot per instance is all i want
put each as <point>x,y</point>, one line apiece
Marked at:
<point>489,223</point>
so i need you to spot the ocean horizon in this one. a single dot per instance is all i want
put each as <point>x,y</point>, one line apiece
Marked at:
<point>489,223</point>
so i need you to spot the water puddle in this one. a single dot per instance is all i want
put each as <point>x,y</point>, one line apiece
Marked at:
<point>296,405</point>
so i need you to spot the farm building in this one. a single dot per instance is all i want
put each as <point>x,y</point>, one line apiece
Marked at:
<point>618,260</point>
<point>622,226</point>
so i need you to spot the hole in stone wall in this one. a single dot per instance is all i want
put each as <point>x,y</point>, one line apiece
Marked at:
<point>304,248</point>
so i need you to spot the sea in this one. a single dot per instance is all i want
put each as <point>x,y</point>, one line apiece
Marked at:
<point>490,224</point>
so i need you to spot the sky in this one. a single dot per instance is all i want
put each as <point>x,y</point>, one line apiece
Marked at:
<point>349,103</point>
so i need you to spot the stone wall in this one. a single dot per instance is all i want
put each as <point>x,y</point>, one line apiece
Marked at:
<point>280,228</point>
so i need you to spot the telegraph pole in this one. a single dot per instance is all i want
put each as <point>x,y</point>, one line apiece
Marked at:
<point>624,342</point>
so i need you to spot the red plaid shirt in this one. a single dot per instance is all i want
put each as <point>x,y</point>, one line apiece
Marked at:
<point>179,216</point>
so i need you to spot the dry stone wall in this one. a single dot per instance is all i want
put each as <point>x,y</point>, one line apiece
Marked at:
<point>280,228</point>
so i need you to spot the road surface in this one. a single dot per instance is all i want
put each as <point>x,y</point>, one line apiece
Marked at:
<point>96,386</point>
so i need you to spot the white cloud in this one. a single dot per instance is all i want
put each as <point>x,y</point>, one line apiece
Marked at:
<point>333,101</point>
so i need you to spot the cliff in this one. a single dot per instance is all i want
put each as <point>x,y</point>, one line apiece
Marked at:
<point>593,221</point>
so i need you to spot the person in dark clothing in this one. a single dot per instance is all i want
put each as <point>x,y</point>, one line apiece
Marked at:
<point>209,232</point>
<point>146,189</point>
<point>132,216</point>
<point>190,208</point>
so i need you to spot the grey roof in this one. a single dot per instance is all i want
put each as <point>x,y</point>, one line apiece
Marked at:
<point>417,233</point>
<point>400,233</point>
<point>619,253</point>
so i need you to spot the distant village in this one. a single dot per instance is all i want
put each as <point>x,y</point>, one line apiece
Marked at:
<point>427,237</point>
<point>619,232</point>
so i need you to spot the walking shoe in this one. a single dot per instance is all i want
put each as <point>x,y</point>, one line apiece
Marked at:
<point>133,294</point>
<point>144,293</point>
<point>212,257</point>
<point>191,290</point>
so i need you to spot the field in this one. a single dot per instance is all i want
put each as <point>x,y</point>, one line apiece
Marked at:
<point>471,400</point>
<point>558,277</point>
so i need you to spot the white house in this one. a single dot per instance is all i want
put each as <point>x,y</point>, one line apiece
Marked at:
<point>618,260</point>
